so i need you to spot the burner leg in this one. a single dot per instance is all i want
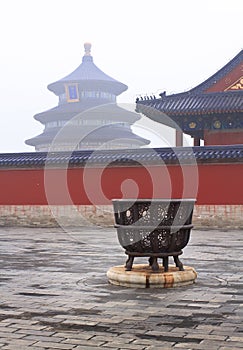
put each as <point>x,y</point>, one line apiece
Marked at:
<point>155,265</point>
<point>166,263</point>
<point>129,263</point>
<point>178,263</point>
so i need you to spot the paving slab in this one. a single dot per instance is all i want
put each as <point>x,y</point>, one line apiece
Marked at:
<point>54,294</point>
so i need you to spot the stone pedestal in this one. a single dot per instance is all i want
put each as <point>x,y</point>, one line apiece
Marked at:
<point>142,276</point>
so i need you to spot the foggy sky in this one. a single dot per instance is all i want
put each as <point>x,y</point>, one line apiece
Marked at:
<point>151,46</point>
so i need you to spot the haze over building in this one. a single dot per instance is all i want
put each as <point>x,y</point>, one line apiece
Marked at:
<point>87,115</point>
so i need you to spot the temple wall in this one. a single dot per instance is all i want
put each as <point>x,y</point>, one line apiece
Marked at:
<point>221,137</point>
<point>27,187</point>
<point>205,216</point>
<point>218,216</point>
<point>52,216</point>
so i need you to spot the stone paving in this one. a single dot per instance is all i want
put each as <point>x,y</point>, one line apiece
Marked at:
<point>55,294</point>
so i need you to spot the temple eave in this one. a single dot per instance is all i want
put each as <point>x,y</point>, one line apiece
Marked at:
<point>74,135</point>
<point>117,88</point>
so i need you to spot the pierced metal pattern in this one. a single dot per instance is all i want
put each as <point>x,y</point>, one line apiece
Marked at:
<point>161,240</point>
<point>181,238</point>
<point>153,228</point>
<point>155,213</point>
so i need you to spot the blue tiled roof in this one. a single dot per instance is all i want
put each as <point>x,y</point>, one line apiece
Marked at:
<point>87,109</point>
<point>157,156</point>
<point>194,104</point>
<point>78,134</point>
<point>88,73</point>
<point>111,113</point>
<point>197,101</point>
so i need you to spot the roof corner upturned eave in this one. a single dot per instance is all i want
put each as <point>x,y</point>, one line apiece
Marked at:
<point>220,74</point>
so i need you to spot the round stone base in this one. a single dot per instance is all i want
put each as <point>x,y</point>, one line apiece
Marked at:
<point>142,276</point>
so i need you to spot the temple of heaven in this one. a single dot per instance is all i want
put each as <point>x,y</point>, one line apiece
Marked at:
<point>87,115</point>
<point>211,111</point>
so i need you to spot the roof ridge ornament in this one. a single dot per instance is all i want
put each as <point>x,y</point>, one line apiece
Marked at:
<point>87,49</point>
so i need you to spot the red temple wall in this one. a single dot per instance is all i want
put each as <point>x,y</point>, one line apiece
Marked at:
<point>218,184</point>
<point>223,137</point>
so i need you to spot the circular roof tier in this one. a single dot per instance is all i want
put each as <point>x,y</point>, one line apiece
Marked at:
<point>82,110</point>
<point>74,135</point>
<point>89,76</point>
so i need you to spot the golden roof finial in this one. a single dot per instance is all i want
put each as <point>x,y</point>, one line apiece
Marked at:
<point>87,49</point>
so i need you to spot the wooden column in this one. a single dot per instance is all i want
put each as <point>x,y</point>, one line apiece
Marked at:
<point>179,138</point>
<point>196,141</point>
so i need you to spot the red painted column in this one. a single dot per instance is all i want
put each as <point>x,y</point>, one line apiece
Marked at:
<point>179,138</point>
<point>196,141</point>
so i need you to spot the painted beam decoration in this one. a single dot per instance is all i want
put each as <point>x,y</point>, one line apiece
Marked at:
<point>238,85</point>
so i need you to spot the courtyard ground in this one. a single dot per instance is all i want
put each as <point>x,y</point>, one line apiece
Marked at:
<point>54,294</point>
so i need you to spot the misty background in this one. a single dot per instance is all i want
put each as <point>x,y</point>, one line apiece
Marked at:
<point>151,46</point>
